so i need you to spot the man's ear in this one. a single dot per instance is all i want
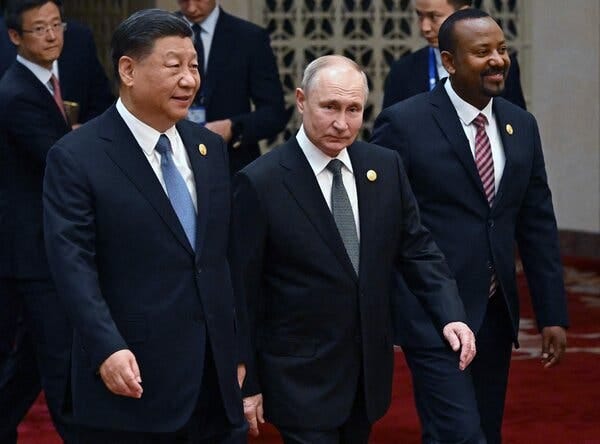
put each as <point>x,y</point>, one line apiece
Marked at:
<point>126,70</point>
<point>15,37</point>
<point>300,100</point>
<point>448,62</point>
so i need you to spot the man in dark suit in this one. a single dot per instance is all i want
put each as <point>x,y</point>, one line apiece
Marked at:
<point>82,77</point>
<point>317,271</point>
<point>30,123</point>
<point>420,71</point>
<point>240,96</point>
<point>475,164</point>
<point>32,119</point>
<point>136,221</point>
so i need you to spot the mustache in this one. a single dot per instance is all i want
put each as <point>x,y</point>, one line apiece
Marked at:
<point>492,71</point>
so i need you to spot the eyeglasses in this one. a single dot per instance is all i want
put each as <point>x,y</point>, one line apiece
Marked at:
<point>41,30</point>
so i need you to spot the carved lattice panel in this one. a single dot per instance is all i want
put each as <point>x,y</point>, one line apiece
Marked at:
<point>371,32</point>
<point>103,16</point>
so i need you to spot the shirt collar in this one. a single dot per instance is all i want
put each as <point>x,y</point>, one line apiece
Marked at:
<point>317,159</point>
<point>467,112</point>
<point>146,136</point>
<point>210,22</point>
<point>40,72</point>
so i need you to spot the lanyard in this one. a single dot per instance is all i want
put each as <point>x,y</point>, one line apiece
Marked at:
<point>432,69</point>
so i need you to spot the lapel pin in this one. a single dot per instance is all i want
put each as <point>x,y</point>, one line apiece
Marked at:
<point>202,149</point>
<point>509,129</point>
<point>371,176</point>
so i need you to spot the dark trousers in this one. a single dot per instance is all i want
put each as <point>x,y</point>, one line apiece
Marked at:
<point>355,430</point>
<point>464,406</point>
<point>19,377</point>
<point>44,338</point>
<point>207,425</point>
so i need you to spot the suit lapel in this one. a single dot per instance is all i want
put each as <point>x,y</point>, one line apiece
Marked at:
<point>220,50</point>
<point>509,144</point>
<point>200,170</point>
<point>303,186</point>
<point>449,122</point>
<point>39,90</point>
<point>125,152</point>
<point>367,198</point>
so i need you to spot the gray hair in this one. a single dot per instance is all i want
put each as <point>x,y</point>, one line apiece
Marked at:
<point>313,68</point>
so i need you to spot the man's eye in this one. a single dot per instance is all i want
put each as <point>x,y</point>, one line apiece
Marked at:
<point>39,29</point>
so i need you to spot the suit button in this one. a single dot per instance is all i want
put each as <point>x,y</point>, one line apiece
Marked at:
<point>490,266</point>
<point>491,223</point>
<point>199,271</point>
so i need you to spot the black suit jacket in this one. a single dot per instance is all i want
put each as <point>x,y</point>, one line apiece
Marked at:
<point>475,238</point>
<point>129,278</point>
<point>315,323</point>
<point>409,76</point>
<point>242,72</point>
<point>30,123</point>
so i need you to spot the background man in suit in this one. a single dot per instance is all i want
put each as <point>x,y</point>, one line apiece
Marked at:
<point>240,94</point>
<point>31,123</point>
<point>420,71</point>
<point>136,219</point>
<point>480,187</point>
<point>318,284</point>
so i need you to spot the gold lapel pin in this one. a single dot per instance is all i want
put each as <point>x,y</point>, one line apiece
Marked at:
<point>509,129</point>
<point>371,175</point>
<point>202,149</point>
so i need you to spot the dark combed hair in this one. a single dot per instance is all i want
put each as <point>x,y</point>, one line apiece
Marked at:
<point>446,37</point>
<point>135,36</point>
<point>13,14</point>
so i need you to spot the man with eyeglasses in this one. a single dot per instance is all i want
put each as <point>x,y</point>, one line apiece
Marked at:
<point>32,119</point>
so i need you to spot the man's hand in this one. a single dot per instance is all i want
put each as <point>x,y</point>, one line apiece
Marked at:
<point>253,411</point>
<point>554,344</point>
<point>241,374</point>
<point>221,127</point>
<point>460,336</point>
<point>121,374</point>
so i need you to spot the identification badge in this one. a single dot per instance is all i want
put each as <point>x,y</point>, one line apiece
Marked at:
<point>197,114</point>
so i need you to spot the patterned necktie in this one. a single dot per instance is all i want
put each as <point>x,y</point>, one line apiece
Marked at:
<point>177,191</point>
<point>483,157</point>
<point>342,213</point>
<point>199,49</point>
<point>485,166</point>
<point>57,95</point>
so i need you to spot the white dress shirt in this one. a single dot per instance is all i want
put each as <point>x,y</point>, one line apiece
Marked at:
<point>41,73</point>
<point>147,138</point>
<point>467,113</point>
<point>318,161</point>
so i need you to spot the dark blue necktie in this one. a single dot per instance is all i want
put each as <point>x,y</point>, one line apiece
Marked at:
<point>177,190</point>
<point>199,48</point>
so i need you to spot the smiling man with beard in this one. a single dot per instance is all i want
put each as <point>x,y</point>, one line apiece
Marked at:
<point>476,166</point>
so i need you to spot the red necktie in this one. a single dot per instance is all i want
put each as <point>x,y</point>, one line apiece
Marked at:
<point>57,95</point>
<point>485,167</point>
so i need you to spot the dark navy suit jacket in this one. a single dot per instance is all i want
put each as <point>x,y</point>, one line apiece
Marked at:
<point>30,124</point>
<point>409,76</point>
<point>315,323</point>
<point>477,240</point>
<point>242,72</point>
<point>129,278</point>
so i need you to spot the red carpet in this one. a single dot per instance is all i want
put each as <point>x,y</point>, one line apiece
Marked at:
<point>556,406</point>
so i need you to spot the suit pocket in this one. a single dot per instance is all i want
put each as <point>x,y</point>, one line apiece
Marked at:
<point>133,327</point>
<point>289,346</point>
